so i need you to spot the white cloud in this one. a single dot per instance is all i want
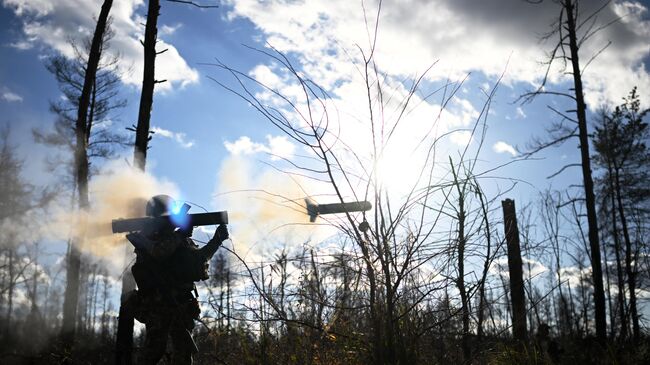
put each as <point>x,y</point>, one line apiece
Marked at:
<point>461,138</point>
<point>405,134</point>
<point>24,7</point>
<point>325,39</point>
<point>244,146</point>
<point>467,112</point>
<point>54,23</point>
<point>178,137</point>
<point>503,147</point>
<point>277,146</point>
<point>10,96</point>
<point>169,29</point>
<point>575,276</point>
<point>22,45</point>
<point>531,267</point>
<point>520,113</point>
<point>265,75</point>
<point>464,36</point>
<point>280,147</point>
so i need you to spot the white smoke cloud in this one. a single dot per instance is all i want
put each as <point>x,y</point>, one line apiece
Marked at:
<point>118,191</point>
<point>266,209</point>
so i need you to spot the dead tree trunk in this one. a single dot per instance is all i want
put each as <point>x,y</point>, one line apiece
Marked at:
<point>142,136</point>
<point>590,200</point>
<point>10,293</point>
<point>620,280</point>
<point>124,341</point>
<point>82,131</point>
<point>515,270</point>
<point>629,270</point>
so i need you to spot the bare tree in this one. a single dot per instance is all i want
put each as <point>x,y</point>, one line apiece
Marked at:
<point>143,134</point>
<point>82,133</point>
<point>19,201</point>
<point>103,139</point>
<point>396,244</point>
<point>552,221</point>
<point>571,30</point>
<point>89,84</point>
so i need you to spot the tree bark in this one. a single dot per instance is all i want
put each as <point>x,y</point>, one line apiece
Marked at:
<point>596,265</point>
<point>10,293</point>
<point>124,341</point>
<point>630,271</point>
<point>462,242</point>
<point>516,271</point>
<point>612,316</point>
<point>82,131</point>
<point>620,280</point>
<point>148,82</point>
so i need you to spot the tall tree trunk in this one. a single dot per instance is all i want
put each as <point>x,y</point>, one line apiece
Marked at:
<point>124,341</point>
<point>82,131</point>
<point>460,283</point>
<point>515,270</point>
<point>228,296</point>
<point>10,292</point>
<point>612,316</point>
<point>620,280</point>
<point>596,265</point>
<point>630,271</point>
<point>377,333</point>
<point>148,82</point>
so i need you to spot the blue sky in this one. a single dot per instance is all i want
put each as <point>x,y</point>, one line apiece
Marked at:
<point>201,126</point>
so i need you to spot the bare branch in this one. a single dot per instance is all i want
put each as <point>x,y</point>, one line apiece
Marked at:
<point>194,4</point>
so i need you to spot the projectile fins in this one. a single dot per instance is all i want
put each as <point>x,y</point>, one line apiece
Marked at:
<point>312,210</point>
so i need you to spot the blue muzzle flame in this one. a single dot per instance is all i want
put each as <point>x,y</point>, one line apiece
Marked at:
<point>179,216</point>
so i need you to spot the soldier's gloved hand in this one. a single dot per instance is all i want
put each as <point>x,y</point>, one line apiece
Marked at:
<point>221,233</point>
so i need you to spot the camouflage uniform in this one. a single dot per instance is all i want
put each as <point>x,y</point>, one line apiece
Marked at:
<point>166,267</point>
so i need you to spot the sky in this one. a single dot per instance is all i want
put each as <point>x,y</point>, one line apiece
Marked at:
<point>209,141</point>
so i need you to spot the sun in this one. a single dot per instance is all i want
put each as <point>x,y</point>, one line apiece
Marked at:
<point>398,171</point>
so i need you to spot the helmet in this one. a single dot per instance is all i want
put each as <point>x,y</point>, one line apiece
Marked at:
<point>159,205</point>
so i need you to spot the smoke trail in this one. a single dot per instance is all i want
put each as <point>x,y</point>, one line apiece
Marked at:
<point>119,191</point>
<point>266,208</point>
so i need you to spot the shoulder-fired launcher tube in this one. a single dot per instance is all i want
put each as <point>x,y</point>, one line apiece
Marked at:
<point>153,223</point>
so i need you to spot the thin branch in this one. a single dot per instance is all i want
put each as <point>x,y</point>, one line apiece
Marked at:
<point>194,4</point>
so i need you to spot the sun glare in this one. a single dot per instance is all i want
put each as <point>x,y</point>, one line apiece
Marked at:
<point>397,172</point>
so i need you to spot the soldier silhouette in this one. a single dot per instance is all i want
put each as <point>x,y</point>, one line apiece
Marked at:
<point>168,262</point>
